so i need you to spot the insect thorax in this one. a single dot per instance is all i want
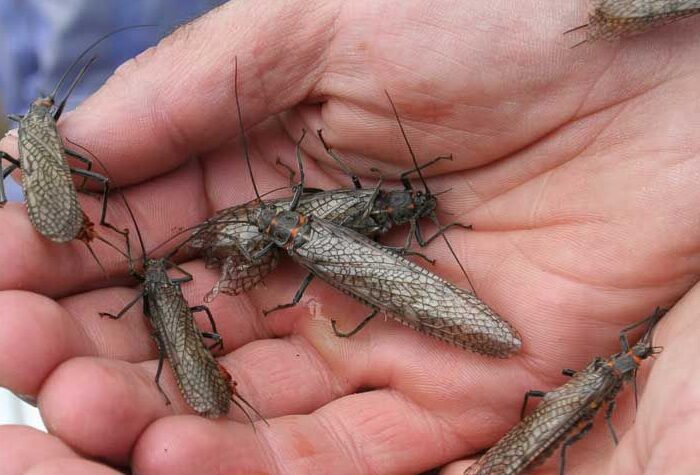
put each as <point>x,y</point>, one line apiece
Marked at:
<point>404,206</point>
<point>41,106</point>
<point>282,227</point>
<point>156,271</point>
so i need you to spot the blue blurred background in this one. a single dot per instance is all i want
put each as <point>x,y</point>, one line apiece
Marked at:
<point>38,41</point>
<point>40,38</point>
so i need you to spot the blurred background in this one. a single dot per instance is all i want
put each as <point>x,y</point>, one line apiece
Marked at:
<point>38,41</point>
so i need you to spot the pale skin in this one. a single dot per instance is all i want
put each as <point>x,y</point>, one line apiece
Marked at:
<point>577,168</point>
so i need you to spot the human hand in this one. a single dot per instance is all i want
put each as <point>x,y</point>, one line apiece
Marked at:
<point>661,432</point>
<point>576,168</point>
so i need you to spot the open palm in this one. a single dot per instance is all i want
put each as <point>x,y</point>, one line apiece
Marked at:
<point>577,168</point>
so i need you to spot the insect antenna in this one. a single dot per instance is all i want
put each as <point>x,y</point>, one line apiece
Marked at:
<point>580,27</point>
<point>577,29</point>
<point>80,57</point>
<point>236,397</point>
<point>244,141</point>
<point>427,190</point>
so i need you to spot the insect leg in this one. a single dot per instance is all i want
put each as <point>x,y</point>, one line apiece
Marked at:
<point>370,203</point>
<point>568,372</point>
<point>404,176</point>
<point>528,395</point>
<point>83,159</point>
<point>181,280</point>
<point>105,194</point>
<point>300,187</point>
<point>14,164</point>
<point>608,420</point>
<point>15,117</point>
<point>570,441</point>
<point>205,309</point>
<point>355,179</point>
<point>254,257</point>
<point>359,327</point>
<point>441,230</point>
<point>125,309</point>
<point>297,296</point>
<point>650,320</point>
<point>407,252</point>
<point>218,341</point>
<point>161,357</point>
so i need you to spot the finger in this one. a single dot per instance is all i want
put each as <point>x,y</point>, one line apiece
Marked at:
<point>362,433</point>
<point>100,406</point>
<point>72,467</point>
<point>36,335</point>
<point>23,447</point>
<point>663,437</point>
<point>36,262</point>
<point>456,468</point>
<point>143,123</point>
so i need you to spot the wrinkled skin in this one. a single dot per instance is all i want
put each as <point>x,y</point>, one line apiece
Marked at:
<point>578,169</point>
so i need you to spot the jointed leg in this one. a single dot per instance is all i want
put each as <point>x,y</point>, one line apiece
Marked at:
<point>205,309</point>
<point>181,280</point>
<point>297,296</point>
<point>83,159</point>
<point>570,441</point>
<point>359,327</point>
<point>124,310</point>
<point>608,420</point>
<point>105,194</point>
<point>528,395</point>
<point>14,164</point>
<point>218,341</point>
<point>441,230</point>
<point>161,357</point>
<point>298,189</point>
<point>355,179</point>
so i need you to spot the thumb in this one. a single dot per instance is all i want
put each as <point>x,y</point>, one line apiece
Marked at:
<point>177,99</point>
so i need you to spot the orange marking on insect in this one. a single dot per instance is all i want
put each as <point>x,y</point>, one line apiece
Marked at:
<point>295,230</point>
<point>87,232</point>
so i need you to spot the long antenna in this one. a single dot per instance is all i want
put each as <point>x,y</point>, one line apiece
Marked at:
<point>86,51</point>
<point>427,190</point>
<point>240,123</point>
<point>76,81</point>
<point>408,144</point>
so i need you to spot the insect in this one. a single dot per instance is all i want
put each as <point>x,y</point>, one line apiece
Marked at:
<point>205,385</point>
<point>52,201</point>
<point>611,19</point>
<point>370,211</point>
<point>566,413</point>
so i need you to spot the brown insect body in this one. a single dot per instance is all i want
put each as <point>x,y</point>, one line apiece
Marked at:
<point>613,19</point>
<point>231,234</point>
<point>52,202</point>
<point>383,279</point>
<point>198,375</point>
<point>565,413</point>
<point>51,196</point>
<point>205,385</point>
